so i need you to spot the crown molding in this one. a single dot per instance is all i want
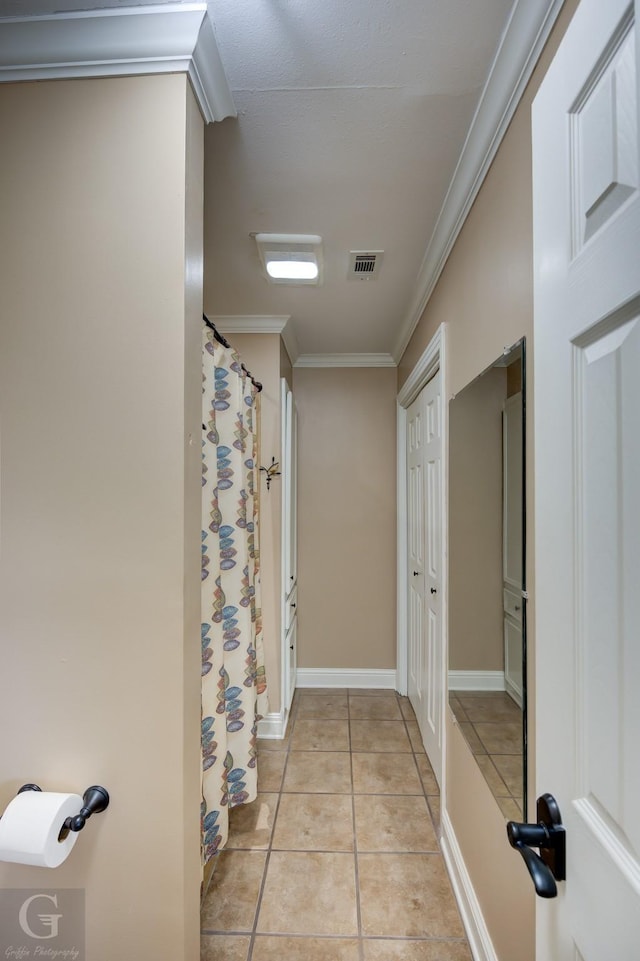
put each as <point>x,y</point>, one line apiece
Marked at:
<point>277,324</point>
<point>345,360</point>
<point>260,324</point>
<point>163,38</point>
<point>250,323</point>
<point>526,33</point>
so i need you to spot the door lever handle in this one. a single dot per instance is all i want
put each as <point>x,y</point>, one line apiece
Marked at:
<point>549,836</point>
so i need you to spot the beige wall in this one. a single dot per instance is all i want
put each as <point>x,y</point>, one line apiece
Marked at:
<point>261,354</point>
<point>346,517</point>
<point>475,525</point>
<point>100,403</point>
<point>485,295</point>
<point>476,816</point>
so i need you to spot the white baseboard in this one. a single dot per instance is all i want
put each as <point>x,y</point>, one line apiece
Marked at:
<point>273,725</point>
<point>476,681</point>
<point>480,942</point>
<point>345,677</point>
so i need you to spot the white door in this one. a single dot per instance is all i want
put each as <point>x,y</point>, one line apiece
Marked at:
<point>425,664</point>
<point>587,480</point>
<point>289,543</point>
<point>416,545</point>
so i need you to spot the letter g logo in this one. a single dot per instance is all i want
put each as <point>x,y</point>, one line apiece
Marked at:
<point>48,921</point>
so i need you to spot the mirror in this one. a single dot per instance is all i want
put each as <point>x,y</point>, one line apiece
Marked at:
<point>487,590</point>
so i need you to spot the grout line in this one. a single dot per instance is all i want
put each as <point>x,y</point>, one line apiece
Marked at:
<point>357,793</point>
<point>417,851</point>
<point>337,937</point>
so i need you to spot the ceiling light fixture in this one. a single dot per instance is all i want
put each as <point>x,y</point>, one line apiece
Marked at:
<point>291,258</point>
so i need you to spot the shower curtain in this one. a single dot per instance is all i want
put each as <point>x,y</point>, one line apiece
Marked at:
<point>234,694</point>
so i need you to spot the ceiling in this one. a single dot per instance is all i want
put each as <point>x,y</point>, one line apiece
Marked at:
<point>352,115</point>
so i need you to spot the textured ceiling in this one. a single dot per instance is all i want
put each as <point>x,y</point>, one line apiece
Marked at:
<point>351,118</point>
<point>352,115</point>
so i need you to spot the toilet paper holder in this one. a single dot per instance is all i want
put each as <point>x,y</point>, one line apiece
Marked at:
<point>96,800</point>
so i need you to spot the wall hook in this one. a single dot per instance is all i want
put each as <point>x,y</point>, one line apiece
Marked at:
<point>271,471</point>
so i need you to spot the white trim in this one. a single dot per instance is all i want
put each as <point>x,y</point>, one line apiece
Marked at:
<point>527,30</point>
<point>208,79</point>
<point>345,677</point>
<point>475,926</point>
<point>429,362</point>
<point>250,323</point>
<point>159,38</point>
<point>476,681</point>
<point>345,360</point>
<point>273,725</point>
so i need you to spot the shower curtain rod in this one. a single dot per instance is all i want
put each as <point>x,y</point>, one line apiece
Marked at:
<point>225,343</point>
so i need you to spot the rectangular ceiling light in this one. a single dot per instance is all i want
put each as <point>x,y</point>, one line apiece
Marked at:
<point>291,258</point>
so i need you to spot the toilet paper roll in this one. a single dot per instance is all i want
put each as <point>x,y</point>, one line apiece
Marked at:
<point>30,826</point>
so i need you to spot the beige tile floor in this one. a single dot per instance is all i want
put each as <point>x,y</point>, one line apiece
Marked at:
<point>492,725</point>
<point>338,858</point>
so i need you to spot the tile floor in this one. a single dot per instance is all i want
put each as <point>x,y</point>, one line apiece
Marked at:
<point>492,725</point>
<point>338,858</point>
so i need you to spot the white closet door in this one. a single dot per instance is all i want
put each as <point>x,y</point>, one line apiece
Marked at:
<point>416,540</point>
<point>289,543</point>
<point>425,654</point>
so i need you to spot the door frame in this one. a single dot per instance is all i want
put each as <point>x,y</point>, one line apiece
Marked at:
<point>432,361</point>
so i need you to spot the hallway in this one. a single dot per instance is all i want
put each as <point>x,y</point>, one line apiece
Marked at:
<point>337,859</point>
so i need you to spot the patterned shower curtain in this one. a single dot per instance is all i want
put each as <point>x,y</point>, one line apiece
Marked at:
<point>234,686</point>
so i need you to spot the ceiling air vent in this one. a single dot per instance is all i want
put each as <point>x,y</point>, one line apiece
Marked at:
<point>365,264</point>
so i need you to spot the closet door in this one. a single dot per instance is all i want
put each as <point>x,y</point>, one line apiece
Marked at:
<point>289,543</point>
<point>416,562</point>
<point>424,530</point>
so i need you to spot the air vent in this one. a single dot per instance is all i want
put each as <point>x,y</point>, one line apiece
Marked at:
<point>365,264</point>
